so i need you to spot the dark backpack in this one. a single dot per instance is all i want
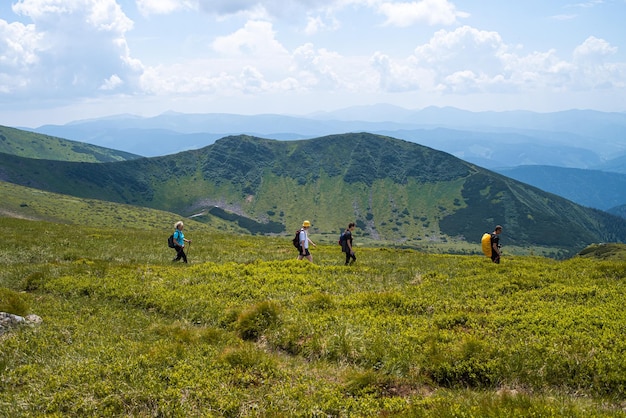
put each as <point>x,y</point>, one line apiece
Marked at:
<point>296,239</point>
<point>342,238</point>
<point>170,241</point>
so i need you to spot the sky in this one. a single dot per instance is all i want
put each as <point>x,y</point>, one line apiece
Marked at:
<point>67,60</point>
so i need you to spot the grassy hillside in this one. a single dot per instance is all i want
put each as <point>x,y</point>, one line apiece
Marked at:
<point>610,251</point>
<point>33,204</point>
<point>245,330</point>
<point>34,145</point>
<point>397,192</point>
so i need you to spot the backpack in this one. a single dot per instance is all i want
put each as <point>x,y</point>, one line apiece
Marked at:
<point>486,244</point>
<point>342,238</point>
<point>170,241</point>
<point>296,239</point>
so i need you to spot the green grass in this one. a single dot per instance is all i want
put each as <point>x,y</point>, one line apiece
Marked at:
<point>29,203</point>
<point>246,330</point>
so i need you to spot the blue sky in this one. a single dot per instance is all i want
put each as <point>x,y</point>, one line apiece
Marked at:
<point>65,60</point>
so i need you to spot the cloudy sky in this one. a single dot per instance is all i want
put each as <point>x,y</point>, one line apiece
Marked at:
<point>64,60</point>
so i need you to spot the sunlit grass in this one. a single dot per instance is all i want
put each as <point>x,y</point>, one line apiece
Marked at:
<point>247,330</point>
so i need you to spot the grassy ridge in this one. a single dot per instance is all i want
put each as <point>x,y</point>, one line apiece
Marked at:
<point>28,203</point>
<point>34,145</point>
<point>246,330</point>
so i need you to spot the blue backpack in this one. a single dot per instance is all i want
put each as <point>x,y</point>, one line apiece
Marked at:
<point>342,238</point>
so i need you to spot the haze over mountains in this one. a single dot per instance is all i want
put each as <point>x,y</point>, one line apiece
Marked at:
<point>575,139</point>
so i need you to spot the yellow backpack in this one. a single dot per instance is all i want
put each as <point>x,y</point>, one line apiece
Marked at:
<point>486,244</point>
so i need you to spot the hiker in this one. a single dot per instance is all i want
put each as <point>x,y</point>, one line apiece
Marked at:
<point>304,242</point>
<point>179,242</point>
<point>346,244</point>
<point>495,244</point>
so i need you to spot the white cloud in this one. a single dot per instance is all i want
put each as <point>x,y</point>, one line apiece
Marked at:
<point>256,38</point>
<point>111,83</point>
<point>266,9</point>
<point>593,68</point>
<point>462,47</point>
<point>401,76</point>
<point>564,17</point>
<point>593,50</point>
<point>318,24</point>
<point>105,15</point>
<point>463,60</point>
<point>317,67</point>
<point>72,48</point>
<point>314,25</point>
<point>432,12</point>
<point>588,4</point>
<point>467,60</point>
<point>19,45</point>
<point>252,81</point>
<point>162,7</point>
<point>537,71</point>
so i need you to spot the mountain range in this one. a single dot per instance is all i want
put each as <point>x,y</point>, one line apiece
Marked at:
<point>517,143</point>
<point>395,190</point>
<point>593,188</point>
<point>573,139</point>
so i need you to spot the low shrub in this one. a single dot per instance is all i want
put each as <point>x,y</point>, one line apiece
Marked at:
<point>252,322</point>
<point>13,302</point>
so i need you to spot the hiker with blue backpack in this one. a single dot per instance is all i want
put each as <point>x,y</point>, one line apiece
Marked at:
<point>179,242</point>
<point>345,240</point>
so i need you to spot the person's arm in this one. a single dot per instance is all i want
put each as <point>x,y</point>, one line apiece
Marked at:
<point>311,242</point>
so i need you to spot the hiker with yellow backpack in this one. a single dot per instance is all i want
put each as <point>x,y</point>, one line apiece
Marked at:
<point>491,244</point>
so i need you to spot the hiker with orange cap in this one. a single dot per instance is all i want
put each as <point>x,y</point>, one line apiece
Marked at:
<point>304,242</point>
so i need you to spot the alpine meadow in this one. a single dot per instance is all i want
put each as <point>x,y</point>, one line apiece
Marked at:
<point>421,325</point>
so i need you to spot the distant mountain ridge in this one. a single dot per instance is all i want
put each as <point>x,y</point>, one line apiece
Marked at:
<point>395,190</point>
<point>592,188</point>
<point>587,139</point>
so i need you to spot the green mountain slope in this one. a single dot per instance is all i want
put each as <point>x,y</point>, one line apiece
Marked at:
<point>34,145</point>
<point>38,205</point>
<point>396,191</point>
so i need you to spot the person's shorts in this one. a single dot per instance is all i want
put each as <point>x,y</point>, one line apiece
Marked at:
<point>306,252</point>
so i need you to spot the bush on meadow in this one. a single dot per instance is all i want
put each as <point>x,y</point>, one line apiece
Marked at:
<point>13,302</point>
<point>252,322</point>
